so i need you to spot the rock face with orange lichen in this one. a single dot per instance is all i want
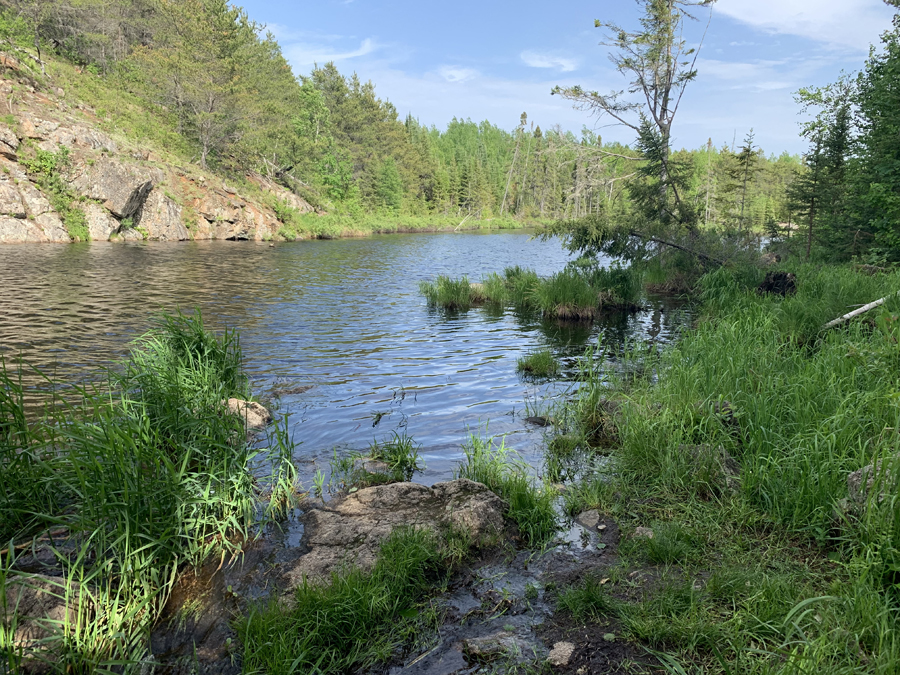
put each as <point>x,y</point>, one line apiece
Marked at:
<point>126,192</point>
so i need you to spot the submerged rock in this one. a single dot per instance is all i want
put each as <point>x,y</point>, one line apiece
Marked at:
<point>255,416</point>
<point>350,529</point>
<point>498,645</point>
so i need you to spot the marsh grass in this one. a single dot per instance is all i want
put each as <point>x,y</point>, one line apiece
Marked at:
<point>775,574</point>
<point>531,506</point>
<point>400,457</point>
<point>540,364</point>
<point>149,475</point>
<point>355,620</point>
<point>580,292</point>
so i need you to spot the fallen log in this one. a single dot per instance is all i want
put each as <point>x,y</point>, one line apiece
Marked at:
<point>857,312</point>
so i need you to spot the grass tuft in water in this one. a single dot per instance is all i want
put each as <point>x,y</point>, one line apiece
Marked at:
<point>540,363</point>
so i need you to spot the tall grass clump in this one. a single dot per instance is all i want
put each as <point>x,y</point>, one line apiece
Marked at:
<point>151,477</point>
<point>531,506</point>
<point>352,622</point>
<point>521,284</point>
<point>540,363</point>
<point>449,293</point>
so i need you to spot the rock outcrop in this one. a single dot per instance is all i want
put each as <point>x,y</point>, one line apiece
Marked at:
<point>127,192</point>
<point>349,530</point>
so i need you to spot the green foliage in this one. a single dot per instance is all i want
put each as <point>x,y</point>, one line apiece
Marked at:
<point>449,293</point>
<point>580,292</point>
<point>530,507</point>
<point>356,621</point>
<point>145,477</point>
<point>540,363</point>
<point>46,169</point>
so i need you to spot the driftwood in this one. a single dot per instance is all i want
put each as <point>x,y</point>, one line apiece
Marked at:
<point>857,312</point>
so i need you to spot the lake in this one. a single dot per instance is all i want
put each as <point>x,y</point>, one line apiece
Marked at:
<point>342,317</point>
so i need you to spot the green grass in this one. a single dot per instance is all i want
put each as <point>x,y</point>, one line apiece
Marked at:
<point>531,506</point>
<point>400,457</point>
<point>146,477</point>
<point>580,292</point>
<point>453,294</point>
<point>356,620</point>
<point>773,575</point>
<point>540,363</point>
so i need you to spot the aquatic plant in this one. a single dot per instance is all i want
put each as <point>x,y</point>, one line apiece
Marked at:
<point>540,363</point>
<point>531,506</point>
<point>450,293</point>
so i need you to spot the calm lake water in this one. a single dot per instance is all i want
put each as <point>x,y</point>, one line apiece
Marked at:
<point>344,317</point>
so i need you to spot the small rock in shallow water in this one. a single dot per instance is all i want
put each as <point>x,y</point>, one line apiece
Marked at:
<point>496,646</point>
<point>589,519</point>
<point>561,654</point>
<point>255,416</point>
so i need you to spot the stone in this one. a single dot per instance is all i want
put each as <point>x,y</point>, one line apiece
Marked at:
<point>882,473</point>
<point>10,200</point>
<point>160,218</point>
<point>122,189</point>
<point>561,654</point>
<point>498,645</point>
<point>82,136</point>
<point>254,415</point>
<point>589,519</point>
<point>14,230</point>
<point>642,533</point>
<point>9,143</point>
<point>36,204</point>
<point>350,529</point>
<point>53,229</point>
<point>130,234</point>
<point>100,224</point>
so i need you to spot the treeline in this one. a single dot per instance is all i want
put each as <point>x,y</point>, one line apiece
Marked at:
<point>210,73</point>
<point>848,196</point>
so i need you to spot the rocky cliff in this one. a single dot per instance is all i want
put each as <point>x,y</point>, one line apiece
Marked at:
<point>125,192</point>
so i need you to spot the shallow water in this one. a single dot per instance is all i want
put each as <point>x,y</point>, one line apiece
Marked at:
<point>344,317</point>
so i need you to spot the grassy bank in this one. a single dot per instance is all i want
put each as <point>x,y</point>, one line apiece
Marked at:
<point>336,226</point>
<point>737,459</point>
<point>578,292</point>
<point>124,489</point>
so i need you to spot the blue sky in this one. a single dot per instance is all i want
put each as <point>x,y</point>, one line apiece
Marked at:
<point>494,60</point>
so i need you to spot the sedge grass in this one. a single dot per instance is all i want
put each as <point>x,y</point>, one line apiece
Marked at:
<point>540,363</point>
<point>356,620</point>
<point>530,506</point>
<point>149,476</point>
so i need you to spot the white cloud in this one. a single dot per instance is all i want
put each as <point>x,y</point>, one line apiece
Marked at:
<point>853,24</point>
<point>300,54</point>
<point>539,60</point>
<point>457,73</point>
